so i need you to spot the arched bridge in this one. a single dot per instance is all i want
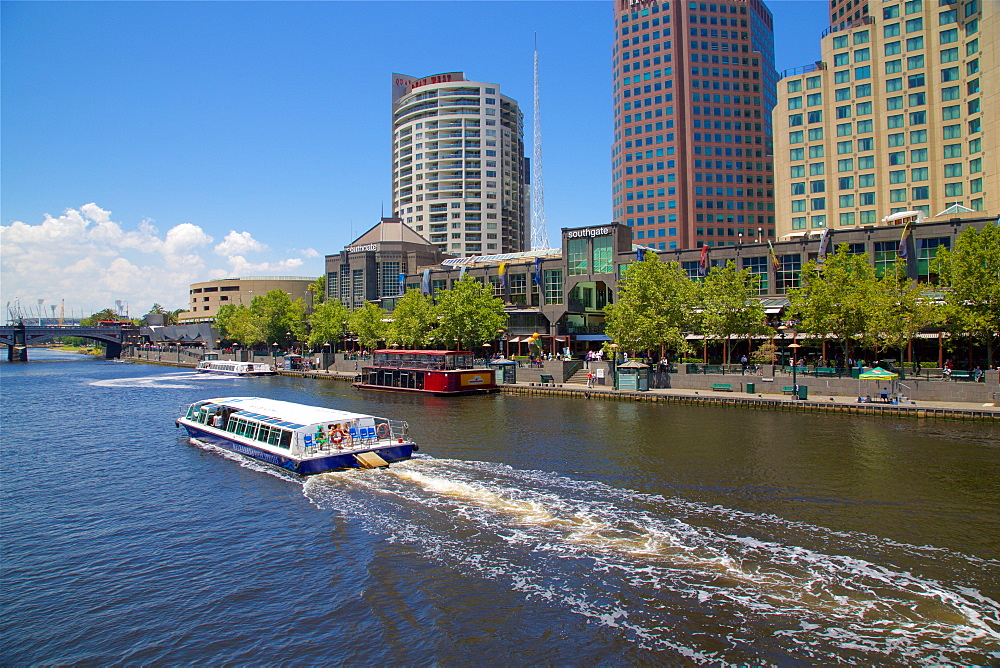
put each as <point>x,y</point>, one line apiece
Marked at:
<point>18,337</point>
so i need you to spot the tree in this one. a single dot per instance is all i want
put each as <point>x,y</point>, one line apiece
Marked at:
<point>900,310</point>
<point>327,323</point>
<point>237,323</point>
<point>837,299</point>
<point>655,307</point>
<point>729,305</point>
<point>318,290</point>
<point>368,322</point>
<point>279,319</point>
<point>971,275</point>
<point>413,320</point>
<point>469,314</point>
<point>106,314</point>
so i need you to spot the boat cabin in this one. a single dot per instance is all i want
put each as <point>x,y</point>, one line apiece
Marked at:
<point>432,371</point>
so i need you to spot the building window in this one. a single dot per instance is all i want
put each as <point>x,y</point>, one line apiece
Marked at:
<point>553,280</point>
<point>757,266</point>
<point>885,257</point>
<point>787,275</point>
<point>926,251</point>
<point>603,260</point>
<point>576,250</point>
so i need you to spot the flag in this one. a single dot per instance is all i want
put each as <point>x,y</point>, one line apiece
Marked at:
<point>538,272</point>
<point>821,254</point>
<point>902,250</point>
<point>425,283</point>
<point>774,258</point>
<point>703,263</point>
<point>402,283</point>
<point>503,275</point>
<point>640,253</point>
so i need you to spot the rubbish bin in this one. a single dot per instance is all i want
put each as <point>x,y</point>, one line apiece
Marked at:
<point>803,392</point>
<point>751,387</point>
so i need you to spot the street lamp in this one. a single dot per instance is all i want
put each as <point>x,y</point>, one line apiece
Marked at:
<point>760,235</point>
<point>795,384</point>
<point>274,349</point>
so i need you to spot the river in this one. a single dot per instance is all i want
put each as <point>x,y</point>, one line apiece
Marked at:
<point>527,530</point>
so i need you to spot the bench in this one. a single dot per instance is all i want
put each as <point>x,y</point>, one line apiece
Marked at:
<point>722,387</point>
<point>826,371</point>
<point>788,389</point>
<point>546,379</point>
<point>964,375</point>
<point>712,368</point>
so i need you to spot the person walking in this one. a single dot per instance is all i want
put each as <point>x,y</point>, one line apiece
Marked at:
<point>590,379</point>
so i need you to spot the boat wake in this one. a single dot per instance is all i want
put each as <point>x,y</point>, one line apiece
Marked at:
<point>658,569</point>
<point>162,381</point>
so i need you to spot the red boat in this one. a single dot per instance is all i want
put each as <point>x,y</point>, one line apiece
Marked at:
<point>439,372</point>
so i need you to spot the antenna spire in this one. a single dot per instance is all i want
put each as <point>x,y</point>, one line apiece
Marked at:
<point>539,229</point>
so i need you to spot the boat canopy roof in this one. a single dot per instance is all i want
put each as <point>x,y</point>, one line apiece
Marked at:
<point>286,413</point>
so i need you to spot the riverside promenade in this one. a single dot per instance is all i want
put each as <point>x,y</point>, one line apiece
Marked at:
<point>818,402</point>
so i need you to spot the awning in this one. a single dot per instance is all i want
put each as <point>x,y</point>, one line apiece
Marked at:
<point>515,339</point>
<point>593,337</point>
<point>774,309</point>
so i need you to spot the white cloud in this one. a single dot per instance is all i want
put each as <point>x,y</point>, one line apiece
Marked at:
<point>87,258</point>
<point>238,243</point>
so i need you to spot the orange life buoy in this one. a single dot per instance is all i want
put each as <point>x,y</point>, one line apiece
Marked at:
<point>337,436</point>
<point>382,431</point>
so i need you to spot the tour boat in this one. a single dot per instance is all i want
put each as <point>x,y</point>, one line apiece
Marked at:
<point>439,372</point>
<point>227,368</point>
<point>298,438</point>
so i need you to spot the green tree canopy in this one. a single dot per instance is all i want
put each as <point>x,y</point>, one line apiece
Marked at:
<point>655,307</point>
<point>413,320</point>
<point>729,305</point>
<point>236,323</point>
<point>838,299</point>
<point>368,323</point>
<point>327,323</point>
<point>106,314</point>
<point>971,276</point>
<point>279,319</point>
<point>318,290</point>
<point>469,314</point>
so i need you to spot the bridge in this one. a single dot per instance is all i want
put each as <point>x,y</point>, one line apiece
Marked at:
<point>18,337</point>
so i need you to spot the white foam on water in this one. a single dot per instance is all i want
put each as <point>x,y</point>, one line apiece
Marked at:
<point>627,560</point>
<point>163,381</point>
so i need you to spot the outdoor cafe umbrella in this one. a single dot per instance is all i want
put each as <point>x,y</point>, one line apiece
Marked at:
<point>878,373</point>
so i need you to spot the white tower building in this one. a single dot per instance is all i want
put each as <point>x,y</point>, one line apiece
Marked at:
<point>459,174</point>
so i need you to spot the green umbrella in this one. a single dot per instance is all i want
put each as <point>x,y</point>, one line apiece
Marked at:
<point>878,373</point>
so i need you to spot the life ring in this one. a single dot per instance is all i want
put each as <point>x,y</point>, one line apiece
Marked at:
<point>337,436</point>
<point>382,431</point>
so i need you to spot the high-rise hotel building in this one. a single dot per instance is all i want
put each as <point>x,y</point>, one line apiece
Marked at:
<point>694,85</point>
<point>459,173</point>
<point>900,114</point>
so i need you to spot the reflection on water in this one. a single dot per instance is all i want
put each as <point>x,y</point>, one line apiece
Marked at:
<point>529,529</point>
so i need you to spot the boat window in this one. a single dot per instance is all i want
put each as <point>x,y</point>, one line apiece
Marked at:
<point>286,439</point>
<point>274,436</point>
<point>251,430</point>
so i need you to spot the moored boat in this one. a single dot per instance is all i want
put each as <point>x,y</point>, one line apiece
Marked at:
<point>438,372</point>
<point>227,368</point>
<point>298,438</point>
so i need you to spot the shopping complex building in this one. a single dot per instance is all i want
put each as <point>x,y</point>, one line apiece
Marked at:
<point>208,297</point>
<point>900,114</point>
<point>561,293</point>
<point>459,174</point>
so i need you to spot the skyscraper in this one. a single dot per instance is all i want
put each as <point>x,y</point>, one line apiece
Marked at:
<point>694,85</point>
<point>900,114</point>
<point>459,174</point>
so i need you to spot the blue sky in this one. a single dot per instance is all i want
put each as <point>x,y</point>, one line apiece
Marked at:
<point>149,145</point>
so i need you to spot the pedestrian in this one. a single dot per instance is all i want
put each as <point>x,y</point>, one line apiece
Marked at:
<point>590,379</point>
<point>743,361</point>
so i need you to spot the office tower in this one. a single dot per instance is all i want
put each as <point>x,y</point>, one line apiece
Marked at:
<point>693,91</point>
<point>900,114</point>
<point>459,174</point>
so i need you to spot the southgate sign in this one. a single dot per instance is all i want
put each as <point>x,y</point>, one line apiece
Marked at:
<point>589,233</point>
<point>370,248</point>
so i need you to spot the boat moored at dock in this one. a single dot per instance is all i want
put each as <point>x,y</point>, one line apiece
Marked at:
<point>438,372</point>
<point>227,368</point>
<point>302,439</point>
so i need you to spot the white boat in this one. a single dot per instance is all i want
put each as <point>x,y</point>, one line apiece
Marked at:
<point>226,368</point>
<point>298,438</point>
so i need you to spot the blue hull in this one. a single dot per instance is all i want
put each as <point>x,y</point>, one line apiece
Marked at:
<point>332,462</point>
